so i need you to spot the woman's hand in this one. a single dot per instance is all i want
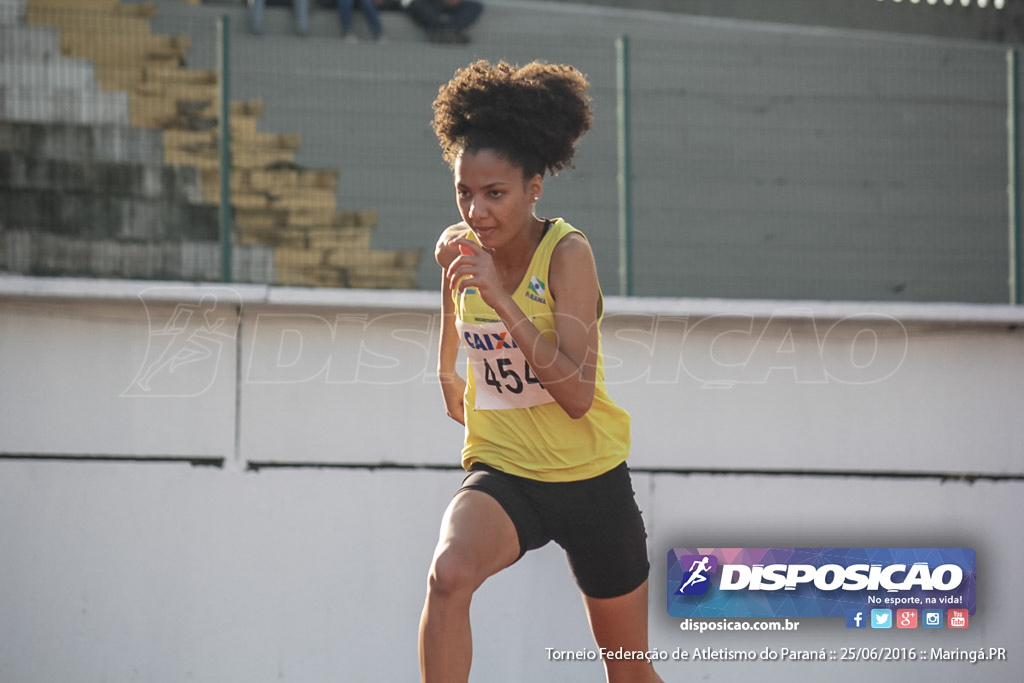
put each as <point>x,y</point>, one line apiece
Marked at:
<point>474,267</point>
<point>453,388</point>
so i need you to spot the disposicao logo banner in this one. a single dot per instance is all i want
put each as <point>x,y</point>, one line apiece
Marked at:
<point>817,582</point>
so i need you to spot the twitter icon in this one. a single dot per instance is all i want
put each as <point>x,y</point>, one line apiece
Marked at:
<point>881,618</point>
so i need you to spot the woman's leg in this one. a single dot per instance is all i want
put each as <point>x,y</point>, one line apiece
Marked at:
<point>477,540</point>
<point>622,622</point>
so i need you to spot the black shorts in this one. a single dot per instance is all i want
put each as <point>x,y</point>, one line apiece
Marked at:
<point>596,521</point>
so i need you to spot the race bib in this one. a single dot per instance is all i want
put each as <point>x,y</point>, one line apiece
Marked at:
<point>501,374</point>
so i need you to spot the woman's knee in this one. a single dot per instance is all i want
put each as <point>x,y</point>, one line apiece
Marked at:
<point>453,574</point>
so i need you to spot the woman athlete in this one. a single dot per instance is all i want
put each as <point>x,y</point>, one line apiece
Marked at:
<point>545,447</point>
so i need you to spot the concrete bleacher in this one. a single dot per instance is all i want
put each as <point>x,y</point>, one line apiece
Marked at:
<point>41,85</point>
<point>84,191</point>
<point>96,200</point>
<point>109,164</point>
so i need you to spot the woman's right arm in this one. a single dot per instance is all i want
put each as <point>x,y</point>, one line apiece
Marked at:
<point>453,387</point>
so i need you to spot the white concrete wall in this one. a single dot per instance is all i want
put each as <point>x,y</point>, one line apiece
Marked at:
<point>806,433</point>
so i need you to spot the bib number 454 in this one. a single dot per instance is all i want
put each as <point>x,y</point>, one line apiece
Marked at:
<point>506,378</point>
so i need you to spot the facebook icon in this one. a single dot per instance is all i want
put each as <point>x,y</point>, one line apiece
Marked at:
<point>856,618</point>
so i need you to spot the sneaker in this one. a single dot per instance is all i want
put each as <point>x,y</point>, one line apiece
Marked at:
<point>448,37</point>
<point>444,36</point>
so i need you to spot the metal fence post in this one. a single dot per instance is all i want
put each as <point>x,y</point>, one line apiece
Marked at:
<point>224,142</point>
<point>1013,167</point>
<point>625,171</point>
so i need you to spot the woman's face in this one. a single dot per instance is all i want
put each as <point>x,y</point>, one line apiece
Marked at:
<point>493,197</point>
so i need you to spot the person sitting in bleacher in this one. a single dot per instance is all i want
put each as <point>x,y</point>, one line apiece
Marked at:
<point>301,16</point>
<point>445,21</point>
<point>372,18</point>
<point>345,11</point>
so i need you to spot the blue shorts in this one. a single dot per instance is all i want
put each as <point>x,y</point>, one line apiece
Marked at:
<point>596,521</point>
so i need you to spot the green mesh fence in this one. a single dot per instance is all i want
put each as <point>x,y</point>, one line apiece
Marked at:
<point>766,162</point>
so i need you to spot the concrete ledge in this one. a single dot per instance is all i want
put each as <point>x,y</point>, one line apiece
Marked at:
<point>27,42</point>
<point>66,105</point>
<point>25,172</point>
<point>12,12</point>
<point>86,215</point>
<point>924,312</point>
<point>63,72</point>
<point>44,254</point>
<point>83,289</point>
<point>113,142</point>
<point>25,287</point>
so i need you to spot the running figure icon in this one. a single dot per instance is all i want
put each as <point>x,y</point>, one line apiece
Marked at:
<point>697,573</point>
<point>187,343</point>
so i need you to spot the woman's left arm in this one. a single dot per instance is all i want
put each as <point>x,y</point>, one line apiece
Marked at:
<point>567,366</point>
<point>574,289</point>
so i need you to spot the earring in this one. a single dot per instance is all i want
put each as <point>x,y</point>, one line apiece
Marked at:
<point>536,199</point>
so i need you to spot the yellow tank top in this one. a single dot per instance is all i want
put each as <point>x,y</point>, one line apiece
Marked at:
<point>512,423</point>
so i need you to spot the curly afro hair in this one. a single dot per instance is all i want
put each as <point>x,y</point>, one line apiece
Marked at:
<point>532,115</point>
